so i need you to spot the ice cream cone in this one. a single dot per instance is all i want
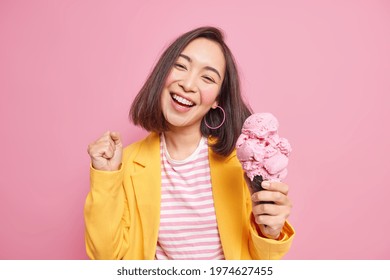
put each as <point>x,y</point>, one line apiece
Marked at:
<point>256,187</point>
<point>256,183</point>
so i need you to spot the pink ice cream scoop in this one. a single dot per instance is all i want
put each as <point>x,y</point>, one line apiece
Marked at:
<point>262,153</point>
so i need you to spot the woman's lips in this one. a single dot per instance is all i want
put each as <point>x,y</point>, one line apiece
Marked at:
<point>181,100</point>
<point>182,108</point>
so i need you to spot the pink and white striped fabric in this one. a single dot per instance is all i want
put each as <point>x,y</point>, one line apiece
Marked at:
<point>188,225</point>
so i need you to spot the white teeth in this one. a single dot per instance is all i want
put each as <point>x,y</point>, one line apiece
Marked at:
<point>182,100</point>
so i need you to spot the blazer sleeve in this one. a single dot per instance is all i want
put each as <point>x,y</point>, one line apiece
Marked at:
<point>106,215</point>
<point>264,248</point>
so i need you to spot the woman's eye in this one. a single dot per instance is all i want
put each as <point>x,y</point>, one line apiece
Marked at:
<point>180,66</point>
<point>209,79</point>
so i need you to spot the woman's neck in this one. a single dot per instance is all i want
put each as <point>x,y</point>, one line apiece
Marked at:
<point>181,143</point>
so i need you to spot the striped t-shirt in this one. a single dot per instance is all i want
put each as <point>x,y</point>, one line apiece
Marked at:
<point>188,225</point>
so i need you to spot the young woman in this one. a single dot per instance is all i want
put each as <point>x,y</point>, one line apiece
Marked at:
<point>180,193</point>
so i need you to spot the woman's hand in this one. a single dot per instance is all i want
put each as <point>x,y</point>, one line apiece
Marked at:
<point>271,217</point>
<point>106,152</point>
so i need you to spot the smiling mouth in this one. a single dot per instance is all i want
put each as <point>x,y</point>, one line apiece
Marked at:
<point>182,101</point>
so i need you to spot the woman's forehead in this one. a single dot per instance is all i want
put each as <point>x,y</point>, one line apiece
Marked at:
<point>206,52</point>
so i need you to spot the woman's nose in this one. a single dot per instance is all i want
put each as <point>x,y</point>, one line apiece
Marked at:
<point>188,83</point>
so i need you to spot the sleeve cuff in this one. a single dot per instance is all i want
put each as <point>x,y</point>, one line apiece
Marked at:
<point>105,180</point>
<point>266,248</point>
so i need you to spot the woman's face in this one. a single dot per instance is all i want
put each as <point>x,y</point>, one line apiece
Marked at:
<point>193,84</point>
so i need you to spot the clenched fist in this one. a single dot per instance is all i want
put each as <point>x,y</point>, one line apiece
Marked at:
<point>106,152</point>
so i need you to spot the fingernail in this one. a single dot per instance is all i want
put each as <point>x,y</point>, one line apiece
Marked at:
<point>265,184</point>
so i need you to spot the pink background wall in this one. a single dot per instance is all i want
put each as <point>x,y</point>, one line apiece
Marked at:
<point>70,69</point>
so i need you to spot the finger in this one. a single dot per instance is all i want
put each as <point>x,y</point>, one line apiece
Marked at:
<point>267,209</point>
<point>115,136</point>
<point>275,186</point>
<point>108,153</point>
<point>270,229</point>
<point>274,222</point>
<point>102,148</point>
<point>111,143</point>
<point>105,137</point>
<point>108,144</point>
<point>270,232</point>
<point>277,197</point>
<point>105,140</point>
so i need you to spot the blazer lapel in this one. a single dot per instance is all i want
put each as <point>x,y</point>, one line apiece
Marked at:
<point>147,186</point>
<point>228,197</point>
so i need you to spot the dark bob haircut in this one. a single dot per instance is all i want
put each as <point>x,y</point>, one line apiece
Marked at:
<point>146,108</point>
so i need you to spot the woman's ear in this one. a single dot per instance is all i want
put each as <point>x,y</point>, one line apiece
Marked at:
<point>215,104</point>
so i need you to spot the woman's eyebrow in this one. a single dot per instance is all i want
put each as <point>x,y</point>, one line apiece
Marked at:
<point>186,57</point>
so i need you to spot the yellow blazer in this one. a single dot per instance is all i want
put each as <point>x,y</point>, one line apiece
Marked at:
<point>122,209</point>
